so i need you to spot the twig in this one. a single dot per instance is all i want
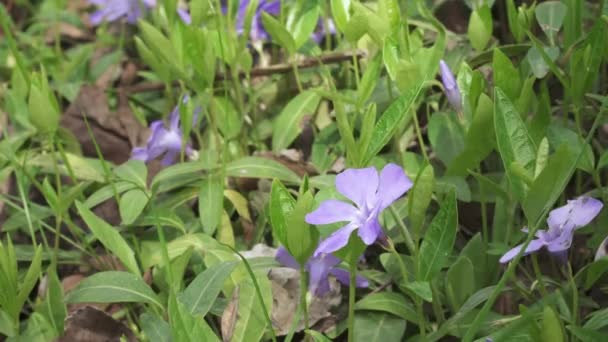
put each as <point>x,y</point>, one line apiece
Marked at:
<point>283,68</point>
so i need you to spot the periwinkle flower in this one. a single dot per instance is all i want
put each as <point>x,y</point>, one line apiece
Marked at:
<point>323,28</point>
<point>257,33</point>
<point>111,10</point>
<point>370,193</point>
<point>451,87</point>
<point>165,141</point>
<point>562,223</point>
<point>319,269</point>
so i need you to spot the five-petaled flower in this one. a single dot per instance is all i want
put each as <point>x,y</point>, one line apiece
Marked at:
<point>450,86</point>
<point>111,10</point>
<point>163,141</point>
<point>319,269</point>
<point>562,223</point>
<point>370,193</point>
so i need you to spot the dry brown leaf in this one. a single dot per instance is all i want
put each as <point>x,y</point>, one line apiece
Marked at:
<point>92,325</point>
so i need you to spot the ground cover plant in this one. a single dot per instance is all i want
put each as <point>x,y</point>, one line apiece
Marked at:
<point>305,170</point>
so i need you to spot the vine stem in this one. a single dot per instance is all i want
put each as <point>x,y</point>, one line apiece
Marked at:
<point>351,302</point>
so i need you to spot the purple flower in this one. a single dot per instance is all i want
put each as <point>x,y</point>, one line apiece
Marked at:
<point>370,193</point>
<point>319,269</point>
<point>110,10</point>
<point>257,33</point>
<point>321,30</point>
<point>450,86</point>
<point>163,141</point>
<point>562,223</point>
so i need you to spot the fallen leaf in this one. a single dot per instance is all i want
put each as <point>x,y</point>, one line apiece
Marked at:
<point>91,325</point>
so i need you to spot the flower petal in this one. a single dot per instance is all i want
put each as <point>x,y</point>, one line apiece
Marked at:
<point>358,185</point>
<point>562,242</point>
<point>285,259</point>
<point>534,246</point>
<point>140,153</point>
<point>318,269</point>
<point>575,214</point>
<point>370,231</point>
<point>332,211</point>
<point>335,241</point>
<point>393,184</point>
<point>343,276</point>
<point>184,15</point>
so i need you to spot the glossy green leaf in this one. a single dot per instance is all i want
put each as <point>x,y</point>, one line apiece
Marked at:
<point>439,239</point>
<point>369,80</point>
<point>378,327</point>
<point>537,63</point>
<point>211,202</point>
<point>186,327</point>
<point>391,302</point>
<point>229,121</point>
<point>53,306</point>
<point>506,75</point>
<point>480,27</point>
<point>550,16</point>
<point>302,238</point>
<point>251,324</point>
<point>290,122</point>
<point>446,136</point>
<point>131,205</point>
<point>110,238</point>
<point>306,22</point>
<point>514,143</point>
<point>202,292</point>
<point>397,114</point>
<point>553,329</point>
<point>279,33</point>
<point>419,198</point>
<point>459,285</point>
<point>550,183</point>
<point>281,206</point>
<point>341,13</point>
<point>113,287</point>
<point>155,328</point>
<point>258,167</point>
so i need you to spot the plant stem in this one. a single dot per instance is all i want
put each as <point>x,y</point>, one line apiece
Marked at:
<point>303,291</point>
<point>351,302</point>
<point>419,136</point>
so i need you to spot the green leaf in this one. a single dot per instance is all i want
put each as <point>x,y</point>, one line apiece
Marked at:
<point>459,284</point>
<point>340,12</point>
<point>202,292</point>
<point>131,205</point>
<point>186,327</point>
<point>439,239</point>
<point>420,198</point>
<point>306,23</point>
<point>317,336</point>
<point>229,121</point>
<point>110,238</point>
<point>480,27</point>
<point>258,167</point>
<point>180,171</point>
<point>480,139</point>
<point>53,306</point>
<point>587,335</point>
<point>31,277</point>
<point>281,206</point>
<point>422,289</point>
<point>598,320</point>
<point>251,323</point>
<point>155,328</point>
<point>302,238</point>
<point>113,287</point>
<point>559,135</point>
<point>290,122</point>
<point>6,324</point>
<point>514,143</point>
<point>391,302</point>
<point>211,202</point>
<point>279,33</point>
<point>378,327</point>
<point>369,80</point>
<point>506,75</point>
<point>536,61</point>
<point>553,329</point>
<point>446,136</point>
<point>549,184</point>
<point>550,16</point>
<point>395,116</point>
<point>134,171</point>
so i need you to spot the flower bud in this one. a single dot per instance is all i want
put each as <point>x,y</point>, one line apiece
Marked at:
<point>450,86</point>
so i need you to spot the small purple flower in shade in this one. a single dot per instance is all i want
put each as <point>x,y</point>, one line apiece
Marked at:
<point>370,193</point>
<point>319,269</point>
<point>562,223</point>
<point>111,10</point>
<point>257,33</point>
<point>450,86</point>
<point>184,15</point>
<point>163,141</point>
<point>323,29</point>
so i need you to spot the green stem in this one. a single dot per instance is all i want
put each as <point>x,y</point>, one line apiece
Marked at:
<point>296,74</point>
<point>303,291</point>
<point>419,136</point>
<point>351,301</point>
<point>539,275</point>
<point>574,295</point>
<point>404,232</point>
